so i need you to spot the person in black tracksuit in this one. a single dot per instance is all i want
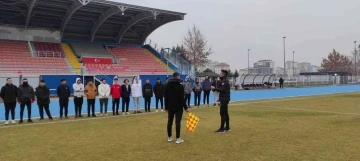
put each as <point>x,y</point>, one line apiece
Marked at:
<point>174,105</point>
<point>125,95</point>
<point>147,91</point>
<point>159,90</point>
<point>224,97</point>
<point>42,93</point>
<point>26,96</point>
<point>63,92</point>
<point>9,94</point>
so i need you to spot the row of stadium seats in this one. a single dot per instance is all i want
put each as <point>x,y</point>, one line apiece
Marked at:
<point>49,49</point>
<point>15,57</point>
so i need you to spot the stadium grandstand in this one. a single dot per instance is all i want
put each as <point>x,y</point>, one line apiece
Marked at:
<point>49,39</point>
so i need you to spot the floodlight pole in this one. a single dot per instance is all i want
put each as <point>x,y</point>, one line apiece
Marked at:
<point>355,53</point>
<point>293,64</point>
<point>284,55</point>
<point>248,61</point>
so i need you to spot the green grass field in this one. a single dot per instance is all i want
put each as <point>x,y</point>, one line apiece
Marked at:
<point>305,128</point>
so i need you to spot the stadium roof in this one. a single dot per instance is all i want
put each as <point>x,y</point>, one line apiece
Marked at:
<point>89,20</point>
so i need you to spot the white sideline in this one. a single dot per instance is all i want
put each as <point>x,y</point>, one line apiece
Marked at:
<point>247,102</point>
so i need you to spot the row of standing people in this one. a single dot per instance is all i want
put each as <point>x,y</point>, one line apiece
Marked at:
<point>204,87</point>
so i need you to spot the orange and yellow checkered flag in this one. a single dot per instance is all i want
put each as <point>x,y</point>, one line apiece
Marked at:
<point>191,122</point>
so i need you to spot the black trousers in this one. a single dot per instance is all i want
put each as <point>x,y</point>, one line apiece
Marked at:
<point>10,107</point>
<point>224,114</point>
<point>161,99</point>
<point>64,104</point>
<point>197,98</point>
<point>187,99</point>
<point>281,85</point>
<point>22,108</point>
<point>115,103</point>
<point>125,104</point>
<point>206,97</point>
<point>78,102</point>
<point>103,102</point>
<point>91,105</point>
<point>47,110</point>
<point>147,103</point>
<point>178,116</point>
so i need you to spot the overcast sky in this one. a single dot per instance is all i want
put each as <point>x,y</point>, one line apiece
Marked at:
<point>312,27</point>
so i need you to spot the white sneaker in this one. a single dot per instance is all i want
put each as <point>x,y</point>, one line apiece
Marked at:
<point>13,122</point>
<point>157,110</point>
<point>170,139</point>
<point>106,114</point>
<point>123,113</point>
<point>179,140</point>
<point>101,114</point>
<point>128,113</point>
<point>162,110</point>
<point>6,122</point>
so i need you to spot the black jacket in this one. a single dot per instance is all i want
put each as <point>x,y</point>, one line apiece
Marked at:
<point>9,93</point>
<point>174,95</point>
<point>63,92</point>
<point>224,89</point>
<point>216,84</point>
<point>26,92</point>
<point>42,95</point>
<point>159,90</point>
<point>125,93</point>
<point>281,81</point>
<point>147,90</point>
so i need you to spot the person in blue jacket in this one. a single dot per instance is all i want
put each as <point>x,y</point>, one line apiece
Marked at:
<point>206,86</point>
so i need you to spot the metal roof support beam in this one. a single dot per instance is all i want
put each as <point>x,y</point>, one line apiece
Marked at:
<point>73,8</point>
<point>103,17</point>
<point>131,22</point>
<point>158,23</point>
<point>29,11</point>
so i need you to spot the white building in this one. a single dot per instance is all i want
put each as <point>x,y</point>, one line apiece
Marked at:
<point>263,67</point>
<point>315,68</point>
<point>305,67</point>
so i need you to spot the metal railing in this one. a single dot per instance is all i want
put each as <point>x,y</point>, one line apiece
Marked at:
<point>169,56</point>
<point>50,54</point>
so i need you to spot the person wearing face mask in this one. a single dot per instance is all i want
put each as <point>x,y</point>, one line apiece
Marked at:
<point>42,93</point>
<point>206,86</point>
<point>159,90</point>
<point>147,91</point>
<point>187,90</point>
<point>197,92</point>
<point>63,92</point>
<point>26,96</point>
<point>78,97</point>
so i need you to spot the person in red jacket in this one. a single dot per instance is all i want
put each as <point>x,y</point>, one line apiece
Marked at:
<point>115,92</point>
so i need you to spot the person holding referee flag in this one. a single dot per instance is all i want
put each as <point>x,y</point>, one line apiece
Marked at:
<point>224,97</point>
<point>174,105</point>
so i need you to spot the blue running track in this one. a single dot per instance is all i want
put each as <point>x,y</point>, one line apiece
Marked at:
<point>235,96</point>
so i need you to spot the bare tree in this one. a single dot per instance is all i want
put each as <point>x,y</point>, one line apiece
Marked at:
<point>196,49</point>
<point>336,62</point>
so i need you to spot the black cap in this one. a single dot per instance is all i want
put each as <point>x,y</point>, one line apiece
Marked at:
<point>24,79</point>
<point>116,79</point>
<point>42,81</point>
<point>62,80</point>
<point>225,72</point>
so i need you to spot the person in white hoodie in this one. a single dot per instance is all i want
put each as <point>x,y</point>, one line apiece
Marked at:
<point>104,93</point>
<point>136,93</point>
<point>78,97</point>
